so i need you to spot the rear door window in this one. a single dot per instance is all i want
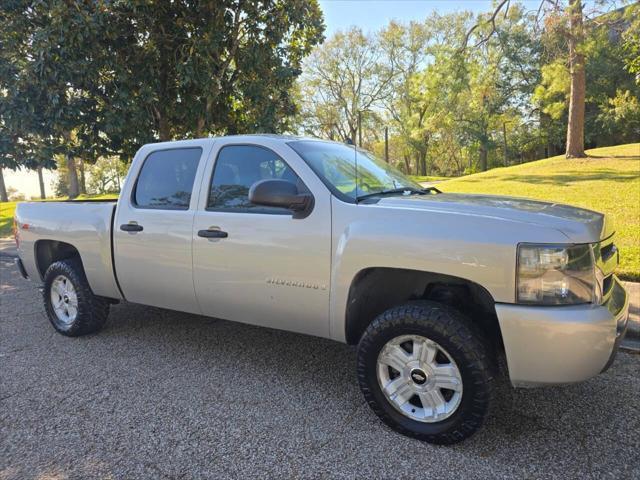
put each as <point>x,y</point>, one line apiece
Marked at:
<point>166,179</point>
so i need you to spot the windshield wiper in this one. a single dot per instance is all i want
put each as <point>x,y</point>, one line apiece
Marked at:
<point>393,191</point>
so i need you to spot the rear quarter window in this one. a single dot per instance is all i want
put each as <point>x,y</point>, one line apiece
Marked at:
<point>166,179</point>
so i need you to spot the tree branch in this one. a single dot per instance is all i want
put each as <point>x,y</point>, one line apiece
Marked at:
<point>491,20</point>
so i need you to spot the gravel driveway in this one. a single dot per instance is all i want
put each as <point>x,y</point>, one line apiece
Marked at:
<point>159,394</point>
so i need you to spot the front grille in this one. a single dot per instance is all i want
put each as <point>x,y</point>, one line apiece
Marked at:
<point>607,284</point>
<point>608,251</point>
<point>606,258</point>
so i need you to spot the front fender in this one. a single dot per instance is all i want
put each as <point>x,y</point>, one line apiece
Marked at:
<point>478,249</point>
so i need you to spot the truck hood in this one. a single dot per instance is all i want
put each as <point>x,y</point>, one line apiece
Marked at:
<point>578,224</point>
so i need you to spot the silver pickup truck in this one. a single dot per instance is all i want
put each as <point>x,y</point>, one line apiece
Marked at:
<point>435,289</point>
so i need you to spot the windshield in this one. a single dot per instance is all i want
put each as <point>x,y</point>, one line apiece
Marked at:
<point>335,163</point>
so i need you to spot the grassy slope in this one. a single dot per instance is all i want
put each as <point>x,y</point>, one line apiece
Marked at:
<point>607,181</point>
<point>427,178</point>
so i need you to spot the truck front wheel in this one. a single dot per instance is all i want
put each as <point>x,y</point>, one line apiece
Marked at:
<point>71,306</point>
<point>424,370</point>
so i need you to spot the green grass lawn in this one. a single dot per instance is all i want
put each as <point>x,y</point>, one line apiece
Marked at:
<point>6,217</point>
<point>427,178</point>
<point>608,181</point>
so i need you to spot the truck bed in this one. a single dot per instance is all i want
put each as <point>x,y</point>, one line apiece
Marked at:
<point>84,224</point>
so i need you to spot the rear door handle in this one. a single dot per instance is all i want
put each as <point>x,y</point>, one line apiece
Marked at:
<point>212,234</point>
<point>131,227</point>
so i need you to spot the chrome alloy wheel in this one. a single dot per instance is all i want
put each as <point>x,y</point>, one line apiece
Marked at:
<point>419,378</point>
<point>64,299</point>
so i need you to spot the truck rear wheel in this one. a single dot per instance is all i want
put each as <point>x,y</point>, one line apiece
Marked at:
<point>424,370</point>
<point>71,306</point>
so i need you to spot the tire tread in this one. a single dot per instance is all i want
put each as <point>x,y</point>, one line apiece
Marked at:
<point>448,323</point>
<point>92,309</point>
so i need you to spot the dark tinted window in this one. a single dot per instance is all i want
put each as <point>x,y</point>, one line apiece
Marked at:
<point>237,168</point>
<point>166,179</point>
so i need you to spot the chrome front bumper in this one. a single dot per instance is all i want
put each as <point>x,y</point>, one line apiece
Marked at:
<point>566,344</point>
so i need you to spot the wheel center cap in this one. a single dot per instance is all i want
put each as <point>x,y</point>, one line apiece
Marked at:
<point>66,298</point>
<point>418,376</point>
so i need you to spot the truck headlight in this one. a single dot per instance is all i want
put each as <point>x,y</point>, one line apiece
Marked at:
<point>555,274</point>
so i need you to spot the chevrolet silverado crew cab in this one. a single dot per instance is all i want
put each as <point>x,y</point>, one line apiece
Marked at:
<point>317,237</point>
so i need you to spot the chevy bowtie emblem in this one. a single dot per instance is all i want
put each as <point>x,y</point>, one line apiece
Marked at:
<point>418,376</point>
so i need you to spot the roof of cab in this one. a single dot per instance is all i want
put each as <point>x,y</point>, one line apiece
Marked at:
<point>204,140</point>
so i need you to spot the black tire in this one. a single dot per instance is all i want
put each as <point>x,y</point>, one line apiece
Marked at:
<point>92,310</point>
<point>461,340</point>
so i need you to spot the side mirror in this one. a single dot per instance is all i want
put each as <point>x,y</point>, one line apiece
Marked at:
<point>280,193</point>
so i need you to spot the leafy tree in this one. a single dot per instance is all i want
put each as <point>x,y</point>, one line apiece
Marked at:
<point>408,103</point>
<point>98,78</point>
<point>612,92</point>
<point>343,83</point>
<point>606,78</point>
<point>106,175</point>
<point>20,120</point>
<point>622,110</point>
<point>631,40</point>
<point>53,61</point>
<point>476,94</point>
<point>568,18</point>
<point>183,69</point>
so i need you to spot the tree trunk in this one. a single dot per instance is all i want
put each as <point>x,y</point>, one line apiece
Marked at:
<point>83,179</point>
<point>3,189</point>
<point>164,130</point>
<point>386,144</point>
<point>73,176</point>
<point>353,131</point>
<point>199,127</point>
<point>43,194</point>
<point>483,158</point>
<point>504,144</point>
<point>422,162</point>
<point>575,126</point>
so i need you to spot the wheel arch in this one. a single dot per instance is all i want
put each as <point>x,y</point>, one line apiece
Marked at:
<point>376,289</point>
<point>48,252</point>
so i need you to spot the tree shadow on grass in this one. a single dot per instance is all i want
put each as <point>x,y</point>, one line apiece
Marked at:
<point>574,177</point>
<point>617,157</point>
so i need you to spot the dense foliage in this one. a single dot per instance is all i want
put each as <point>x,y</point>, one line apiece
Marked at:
<point>503,99</point>
<point>86,79</point>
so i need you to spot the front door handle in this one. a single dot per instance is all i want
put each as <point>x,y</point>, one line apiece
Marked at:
<point>131,227</point>
<point>212,234</point>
